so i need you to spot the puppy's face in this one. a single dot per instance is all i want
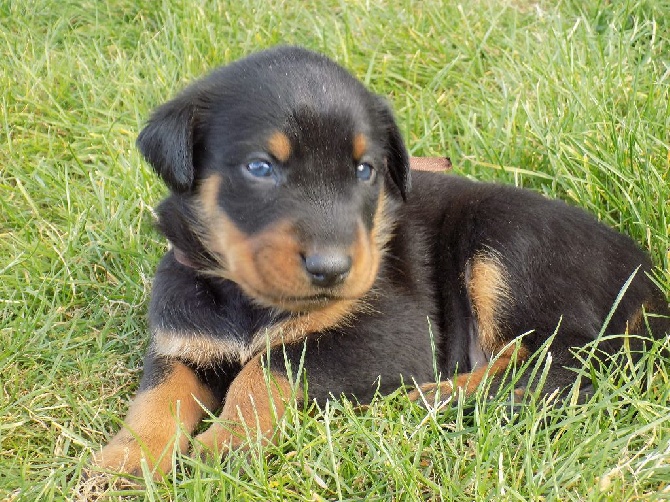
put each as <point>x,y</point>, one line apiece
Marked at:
<point>292,170</point>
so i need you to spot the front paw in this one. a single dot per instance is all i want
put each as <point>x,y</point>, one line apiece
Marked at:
<point>120,456</point>
<point>125,455</point>
<point>432,393</point>
<point>216,442</point>
<point>117,466</point>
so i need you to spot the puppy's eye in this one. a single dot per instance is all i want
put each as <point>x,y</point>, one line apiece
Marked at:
<point>365,172</point>
<point>260,168</point>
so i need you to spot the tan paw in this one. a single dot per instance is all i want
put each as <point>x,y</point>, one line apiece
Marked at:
<point>125,455</point>
<point>428,392</point>
<point>216,442</point>
<point>94,485</point>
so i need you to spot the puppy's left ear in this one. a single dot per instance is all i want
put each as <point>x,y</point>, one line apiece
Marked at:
<point>167,143</point>
<point>397,158</point>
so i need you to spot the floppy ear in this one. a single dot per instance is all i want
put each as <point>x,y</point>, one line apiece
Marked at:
<point>397,160</point>
<point>167,143</point>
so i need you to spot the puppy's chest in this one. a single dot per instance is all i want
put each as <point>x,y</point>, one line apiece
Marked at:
<point>210,323</point>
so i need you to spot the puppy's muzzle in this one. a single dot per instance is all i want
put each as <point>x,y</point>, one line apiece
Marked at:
<point>327,268</point>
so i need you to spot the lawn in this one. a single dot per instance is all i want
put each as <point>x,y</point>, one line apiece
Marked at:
<point>571,99</point>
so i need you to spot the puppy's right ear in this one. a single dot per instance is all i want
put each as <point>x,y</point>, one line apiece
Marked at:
<point>167,143</point>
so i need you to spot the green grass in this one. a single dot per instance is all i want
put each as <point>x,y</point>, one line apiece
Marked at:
<point>569,100</point>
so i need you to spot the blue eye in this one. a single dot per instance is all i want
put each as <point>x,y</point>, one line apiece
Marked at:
<point>260,168</point>
<point>365,172</point>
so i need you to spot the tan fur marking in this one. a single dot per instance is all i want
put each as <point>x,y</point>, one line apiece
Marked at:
<point>490,295</point>
<point>153,419</point>
<point>198,349</point>
<point>279,145</point>
<point>208,193</point>
<point>360,146</point>
<point>222,236</point>
<point>298,327</point>
<point>467,383</point>
<point>205,351</point>
<point>272,266</point>
<point>382,230</point>
<point>252,403</point>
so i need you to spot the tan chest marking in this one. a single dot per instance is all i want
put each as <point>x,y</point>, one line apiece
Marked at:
<point>206,350</point>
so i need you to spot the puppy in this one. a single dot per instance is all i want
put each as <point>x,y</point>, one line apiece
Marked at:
<point>297,232</point>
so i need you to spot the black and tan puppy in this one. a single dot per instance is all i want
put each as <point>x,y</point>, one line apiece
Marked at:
<point>295,232</point>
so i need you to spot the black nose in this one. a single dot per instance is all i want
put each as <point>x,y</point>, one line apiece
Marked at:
<point>327,269</point>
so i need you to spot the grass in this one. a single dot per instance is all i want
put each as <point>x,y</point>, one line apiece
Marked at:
<point>568,99</point>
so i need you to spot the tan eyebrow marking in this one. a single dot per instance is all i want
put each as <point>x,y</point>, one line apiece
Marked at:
<point>279,146</point>
<point>360,146</point>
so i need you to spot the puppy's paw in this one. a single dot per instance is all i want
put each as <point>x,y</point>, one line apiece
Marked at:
<point>120,456</point>
<point>124,455</point>
<point>215,442</point>
<point>94,485</point>
<point>432,393</point>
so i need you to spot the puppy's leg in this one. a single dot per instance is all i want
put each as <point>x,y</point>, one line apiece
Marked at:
<point>171,396</point>
<point>468,383</point>
<point>256,401</point>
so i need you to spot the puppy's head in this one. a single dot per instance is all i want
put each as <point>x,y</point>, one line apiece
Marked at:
<point>291,169</point>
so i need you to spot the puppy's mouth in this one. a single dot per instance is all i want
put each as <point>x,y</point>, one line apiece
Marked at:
<point>320,298</point>
<point>296,303</point>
